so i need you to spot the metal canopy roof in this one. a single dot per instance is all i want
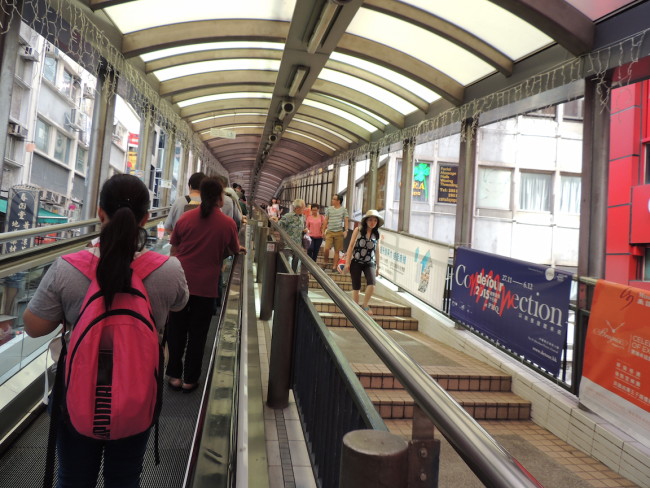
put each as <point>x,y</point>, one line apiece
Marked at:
<point>344,71</point>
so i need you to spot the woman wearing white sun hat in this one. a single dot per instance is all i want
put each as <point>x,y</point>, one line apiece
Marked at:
<point>362,256</point>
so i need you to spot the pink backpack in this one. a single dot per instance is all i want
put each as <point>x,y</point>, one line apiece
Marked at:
<point>112,387</point>
<point>113,369</point>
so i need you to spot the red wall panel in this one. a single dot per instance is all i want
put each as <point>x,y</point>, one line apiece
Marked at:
<point>625,133</point>
<point>623,175</point>
<point>618,229</point>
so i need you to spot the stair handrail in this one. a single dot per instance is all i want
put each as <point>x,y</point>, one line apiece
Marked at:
<point>490,461</point>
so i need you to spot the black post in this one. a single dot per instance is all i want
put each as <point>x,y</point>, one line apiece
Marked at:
<point>286,294</point>
<point>268,282</point>
<point>261,260</point>
<point>374,458</point>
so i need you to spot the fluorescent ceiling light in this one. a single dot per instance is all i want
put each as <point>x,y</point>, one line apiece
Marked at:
<point>322,27</point>
<point>298,79</point>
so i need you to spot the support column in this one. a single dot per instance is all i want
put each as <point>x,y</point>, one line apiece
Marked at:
<point>335,184</point>
<point>168,169</point>
<point>144,148</point>
<point>372,180</point>
<point>593,207</point>
<point>9,46</point>
<point>183,170</point>
<point>100,139</point>
<point>404,219</point>
<point>595,174</point>
<point>466,177</point>
<point>349,203</point>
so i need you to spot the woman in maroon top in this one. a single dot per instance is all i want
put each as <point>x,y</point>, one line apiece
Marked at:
<point>200,238</point>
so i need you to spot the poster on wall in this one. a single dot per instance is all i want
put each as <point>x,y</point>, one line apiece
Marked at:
<point>616,368</point>
<point>448,183</point>
<point>417,266</point>
<point>521,306</point>
<point>22,212</point>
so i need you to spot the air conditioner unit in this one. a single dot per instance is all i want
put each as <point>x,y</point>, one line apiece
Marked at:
<point>47,196</point>
<point>58,199</point>
<point>89,92</point>
<point>76,121</point>
<point>29,53</point>
<point>17,130</point>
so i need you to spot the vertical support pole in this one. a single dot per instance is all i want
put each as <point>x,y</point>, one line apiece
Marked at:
<point>260,251</point>
<point>372,180</point>
<point>286,296</point>
<point>9,47</point>
<point>424,452</point>
<point>257,241</point>
<point>100,139</point>
<point>335,184</point>
<point>168,168</point>
<point>466,176</point>
<point>404,219</point>
<point>373,458</point>
<point>183,170</point>
<point>349,203</point>
<point>593,207</point>
<point>268,280</point>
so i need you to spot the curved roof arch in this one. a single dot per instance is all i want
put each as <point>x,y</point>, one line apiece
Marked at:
<point>347,81</point>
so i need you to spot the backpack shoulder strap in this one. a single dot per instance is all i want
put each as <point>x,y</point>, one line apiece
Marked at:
<point>85,261</point>
<point>147,263</point>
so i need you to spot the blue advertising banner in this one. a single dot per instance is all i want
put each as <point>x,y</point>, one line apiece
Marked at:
<point>522,306</point>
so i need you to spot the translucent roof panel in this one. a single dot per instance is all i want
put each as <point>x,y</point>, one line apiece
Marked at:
<point>405,82</point>
<point>216,65</point>
<point>341,113</point>
<point>429,48</point>
<point>369,89</point>
<point>223,116</point>
<point>144,14</point>
<point>209,46</point>
<point>479,18</point>
<point>223,96</point>
<point>302,121</point>
<point>362,109</point>
<point>302,134</point>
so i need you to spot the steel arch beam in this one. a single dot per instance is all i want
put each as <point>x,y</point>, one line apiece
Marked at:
<point>211,55</point>
<point>216,79</point>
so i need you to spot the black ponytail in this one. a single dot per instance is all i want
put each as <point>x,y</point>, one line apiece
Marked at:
<point>211,193</point>
<point>125,200</point>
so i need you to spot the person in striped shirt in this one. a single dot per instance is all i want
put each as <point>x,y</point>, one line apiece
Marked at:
<point>336,228</point>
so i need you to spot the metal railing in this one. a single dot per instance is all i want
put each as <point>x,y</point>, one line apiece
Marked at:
<point>214,448</point>
<point>494,466</point>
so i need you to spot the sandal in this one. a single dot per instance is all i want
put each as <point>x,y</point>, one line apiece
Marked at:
<point>367,310</point>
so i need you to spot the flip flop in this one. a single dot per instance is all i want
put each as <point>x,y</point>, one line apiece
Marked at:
<point>173,385</point>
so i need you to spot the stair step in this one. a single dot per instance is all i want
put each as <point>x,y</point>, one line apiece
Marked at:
<point>393,309</point>
<point>385,321</point>
<point>398,404</point>
<point>379,377</point>
<point>313,284</point>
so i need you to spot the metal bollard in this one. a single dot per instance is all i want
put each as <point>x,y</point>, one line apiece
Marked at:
<point>268,280</point>
<point>374,458</point>
<point>286,294</point>
<point>256,241</point>
<point>261,250</point>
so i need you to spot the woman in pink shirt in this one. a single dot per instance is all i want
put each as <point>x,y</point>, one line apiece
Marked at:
<point>314,223</point>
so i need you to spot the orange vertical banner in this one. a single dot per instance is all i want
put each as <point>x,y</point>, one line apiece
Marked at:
<point>616,367</point>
